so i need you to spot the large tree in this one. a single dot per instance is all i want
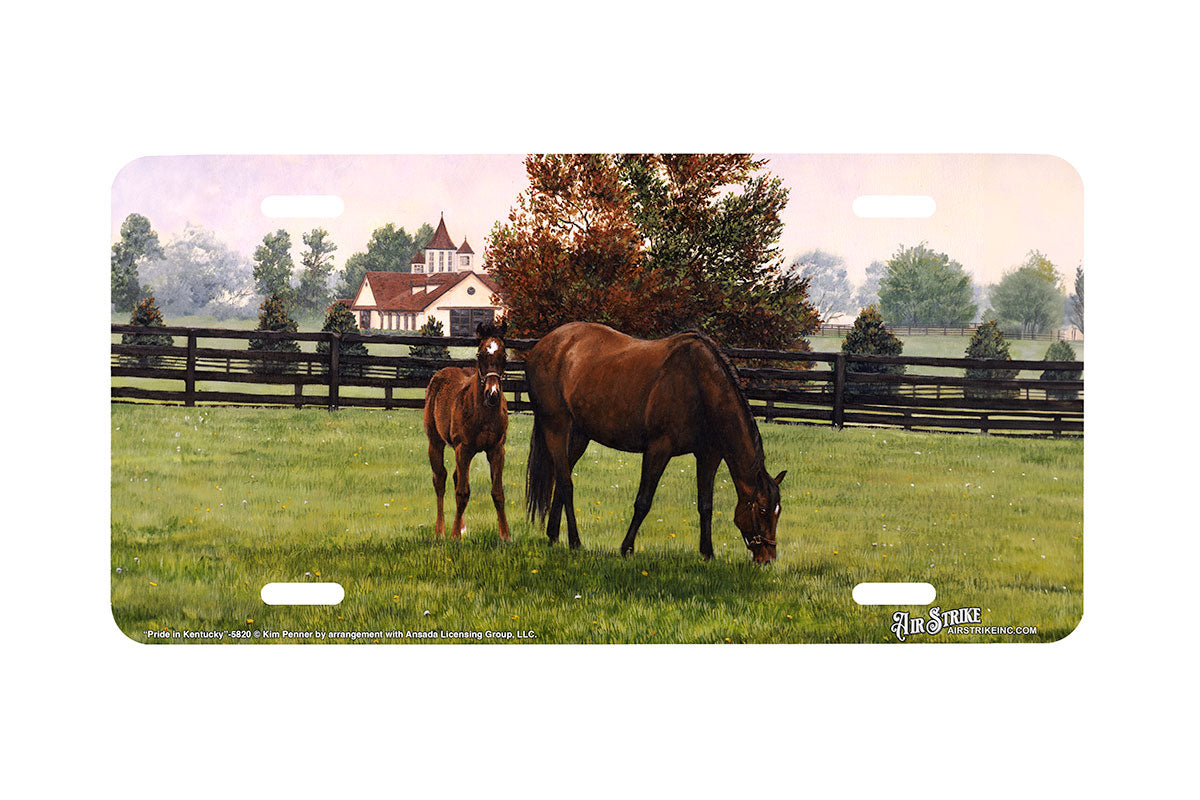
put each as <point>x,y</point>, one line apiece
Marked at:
<point>199,274</point>
<point>273,267</point>
<point>1029,296</point>
<point>316,264</point>
<point>390,249</point>
<point>925,287</point>
<point>651,244</point>
<point>138,243</point>
<point>829,289</point>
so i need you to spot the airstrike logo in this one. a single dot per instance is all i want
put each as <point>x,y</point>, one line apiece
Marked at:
<point>936,620</point>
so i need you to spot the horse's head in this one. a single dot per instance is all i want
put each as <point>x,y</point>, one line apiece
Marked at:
<point>757,515</point>
<point>490,359</point>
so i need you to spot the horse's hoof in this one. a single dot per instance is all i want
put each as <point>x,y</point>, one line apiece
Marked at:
<point>706,556</point>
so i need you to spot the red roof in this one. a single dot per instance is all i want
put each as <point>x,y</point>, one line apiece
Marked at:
<point>441,239</point>
<point>466,248</point>
<point>393,291</point>
<point>418,257</point>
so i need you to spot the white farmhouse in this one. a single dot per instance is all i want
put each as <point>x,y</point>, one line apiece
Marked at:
<point>443,285</point>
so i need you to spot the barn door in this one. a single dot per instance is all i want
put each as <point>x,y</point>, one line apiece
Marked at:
<point>464,320</point>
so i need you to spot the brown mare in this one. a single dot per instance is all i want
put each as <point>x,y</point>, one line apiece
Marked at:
<point>465,408</point>
<point>662,398</point>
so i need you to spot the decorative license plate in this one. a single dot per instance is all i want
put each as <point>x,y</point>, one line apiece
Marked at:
<point>597,399</point>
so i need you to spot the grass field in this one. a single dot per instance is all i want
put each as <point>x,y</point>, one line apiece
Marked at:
<point>208,504</point>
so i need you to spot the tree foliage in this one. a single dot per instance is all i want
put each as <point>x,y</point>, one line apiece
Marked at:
<point>868,336</point>
<point>199,274</point>
<point>340,319</point>
<point>1075,305</point>
<point>390,249</point>
<point>651,244</point>
<point>868,293</point>
<point>1028,297</point>
<point>1037,261</point>
<point>316,265</point>
<point>829,289</point>
<point>138,243</point>
<point>988,342</point>
<point>1061,351</point>
<point>925,287</point>
<point>273,267</point>
<point>146,313</point>
<point>434,350</point>
<point>273,316</point>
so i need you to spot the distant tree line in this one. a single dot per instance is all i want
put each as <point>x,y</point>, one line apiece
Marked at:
<point>920,286</point>
<point>197,274</point>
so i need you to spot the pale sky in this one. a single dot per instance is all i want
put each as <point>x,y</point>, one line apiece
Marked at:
<point>991,209</point>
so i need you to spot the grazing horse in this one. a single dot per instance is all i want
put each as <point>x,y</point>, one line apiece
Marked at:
<point>465,408</point>
<point>662,398</point>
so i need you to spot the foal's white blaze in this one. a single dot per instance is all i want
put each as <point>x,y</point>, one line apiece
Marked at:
<point>493,346</point>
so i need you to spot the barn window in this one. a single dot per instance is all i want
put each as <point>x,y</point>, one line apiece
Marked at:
<point>470,290</point>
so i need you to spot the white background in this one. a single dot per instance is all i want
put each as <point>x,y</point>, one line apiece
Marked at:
<point>1110,708</point>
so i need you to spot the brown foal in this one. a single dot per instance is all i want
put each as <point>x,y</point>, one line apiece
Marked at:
<point>465,408</point>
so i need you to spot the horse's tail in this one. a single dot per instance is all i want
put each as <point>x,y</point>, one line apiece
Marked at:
<point>539,472</point>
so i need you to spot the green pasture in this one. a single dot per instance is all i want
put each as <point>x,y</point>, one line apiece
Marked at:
<point>209,504</point>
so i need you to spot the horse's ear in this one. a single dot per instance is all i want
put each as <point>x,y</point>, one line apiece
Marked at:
<point>503,327</point>
<point>479,330</point>
<point>779,477</point>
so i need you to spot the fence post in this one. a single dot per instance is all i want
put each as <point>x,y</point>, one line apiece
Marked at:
<point>839,390</point>
<point>189,375</point>
<point>335,346</point>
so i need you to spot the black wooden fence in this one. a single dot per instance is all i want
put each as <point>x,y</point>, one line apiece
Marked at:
<point>1067,335</point>
<point>782,386</point>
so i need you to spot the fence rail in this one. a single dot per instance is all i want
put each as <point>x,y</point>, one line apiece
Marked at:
<point>1068,335</point>
<point>782,386</point>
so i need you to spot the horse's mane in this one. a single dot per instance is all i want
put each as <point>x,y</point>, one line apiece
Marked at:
<point>732,374</point>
